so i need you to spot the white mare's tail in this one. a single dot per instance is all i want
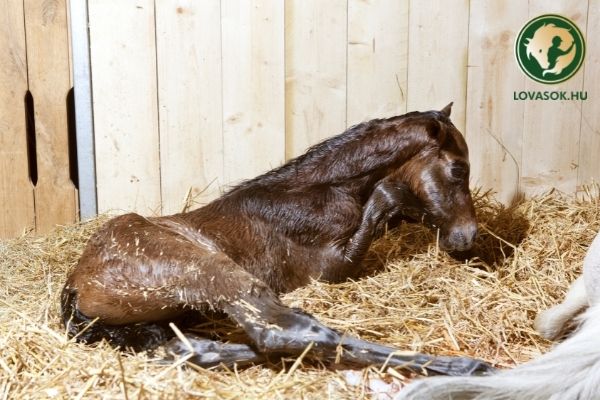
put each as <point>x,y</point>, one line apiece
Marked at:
<point>591,271</point>
<point>571,371</point>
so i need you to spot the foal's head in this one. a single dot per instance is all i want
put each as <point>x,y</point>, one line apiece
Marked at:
<point>439,177</point>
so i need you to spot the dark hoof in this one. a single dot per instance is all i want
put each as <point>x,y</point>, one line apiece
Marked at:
<point>481,368</point>
<point>208,353</point>
<point>460,366</point>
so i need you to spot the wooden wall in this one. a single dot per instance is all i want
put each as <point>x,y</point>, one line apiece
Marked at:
<point>191,96</point>
<point>34,57</point>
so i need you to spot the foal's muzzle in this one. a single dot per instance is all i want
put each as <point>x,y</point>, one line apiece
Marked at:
<point>459,237</point>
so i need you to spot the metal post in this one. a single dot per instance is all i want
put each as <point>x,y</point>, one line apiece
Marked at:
<point>84,116</point>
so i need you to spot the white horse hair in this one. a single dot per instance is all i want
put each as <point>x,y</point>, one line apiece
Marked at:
<point>570,371</point>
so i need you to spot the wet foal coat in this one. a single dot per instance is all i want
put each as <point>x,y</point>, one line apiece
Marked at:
<point>312,218</point>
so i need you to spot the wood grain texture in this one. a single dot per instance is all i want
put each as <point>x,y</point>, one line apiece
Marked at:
<point>377,59</point>
<point>123,58</point>
<point>494,123</point>
<point>589,145</point>
<point>551,128</point>
<point>49,83</point>
<point>188,36</point>
<point>315,72</point>
<point>437,66</point>
<point>16,191</point>
<point>253,87</point>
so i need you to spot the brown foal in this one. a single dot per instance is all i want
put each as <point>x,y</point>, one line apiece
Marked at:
<point>312,218</point>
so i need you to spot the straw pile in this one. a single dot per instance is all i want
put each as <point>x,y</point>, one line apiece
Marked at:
<point>414,297</point>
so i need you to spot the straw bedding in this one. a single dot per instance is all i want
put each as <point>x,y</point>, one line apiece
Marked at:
<point>412,296</point>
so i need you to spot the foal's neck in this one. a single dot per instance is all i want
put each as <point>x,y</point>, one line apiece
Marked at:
<point>361,155</point>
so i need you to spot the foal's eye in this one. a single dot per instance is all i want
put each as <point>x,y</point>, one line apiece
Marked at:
<point>459,171</point>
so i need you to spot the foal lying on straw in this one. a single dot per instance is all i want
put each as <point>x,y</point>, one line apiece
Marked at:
<point>571,371</point>
<point>312,218</point>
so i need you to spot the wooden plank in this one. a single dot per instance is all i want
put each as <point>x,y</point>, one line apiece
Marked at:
<point>315,72</point>
<point>589,146</point>
<point>123,58</point>
<point>377,59</point>
<point>494,120</point>
<point>551,128</point>
<point>190,101</point>
<point>16,191</point>
<point>49,83</point>
<point>253,87</point>
<point>437,62</point>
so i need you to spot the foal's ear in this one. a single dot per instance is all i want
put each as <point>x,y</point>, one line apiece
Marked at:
<point>446,110</point>
<point>436,131</point>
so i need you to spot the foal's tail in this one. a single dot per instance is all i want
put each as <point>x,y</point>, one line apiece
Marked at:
<point>571,371</point>
<point>69,313</point>
<point>81,328</point>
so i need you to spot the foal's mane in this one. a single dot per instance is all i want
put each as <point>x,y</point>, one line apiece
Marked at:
<point>351,154</point>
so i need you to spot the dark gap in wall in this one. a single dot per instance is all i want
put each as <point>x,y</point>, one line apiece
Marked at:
<point>31,141</point>
<point>72,132</point>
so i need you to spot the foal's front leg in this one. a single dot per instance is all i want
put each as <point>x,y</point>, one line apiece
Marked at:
<point>388,200</point>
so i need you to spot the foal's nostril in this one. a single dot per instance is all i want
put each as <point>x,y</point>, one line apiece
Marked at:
<point>462,237</point>
<point>458,237</point>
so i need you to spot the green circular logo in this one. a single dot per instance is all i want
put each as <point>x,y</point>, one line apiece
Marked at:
<point>550,49</point>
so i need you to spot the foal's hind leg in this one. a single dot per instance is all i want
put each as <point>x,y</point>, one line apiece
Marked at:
<point>277,329</point>
<point>136,275</point>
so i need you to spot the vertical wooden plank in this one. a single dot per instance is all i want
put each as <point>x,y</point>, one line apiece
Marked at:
<point>551,128</point>
<point>49,83</point>
<point>494,123</point>
<point>377,59</point>
<point>589,146</point>
<point>16,191</point>
<point>190,103</point>
<point>253,87</point>
<point>437,61</point>
<point>123,58</point>
<point>315,72</point>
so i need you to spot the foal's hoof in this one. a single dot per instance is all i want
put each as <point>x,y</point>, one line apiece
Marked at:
<point>460,366</point>
<point>480,368</point>
<point>208,353</point>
